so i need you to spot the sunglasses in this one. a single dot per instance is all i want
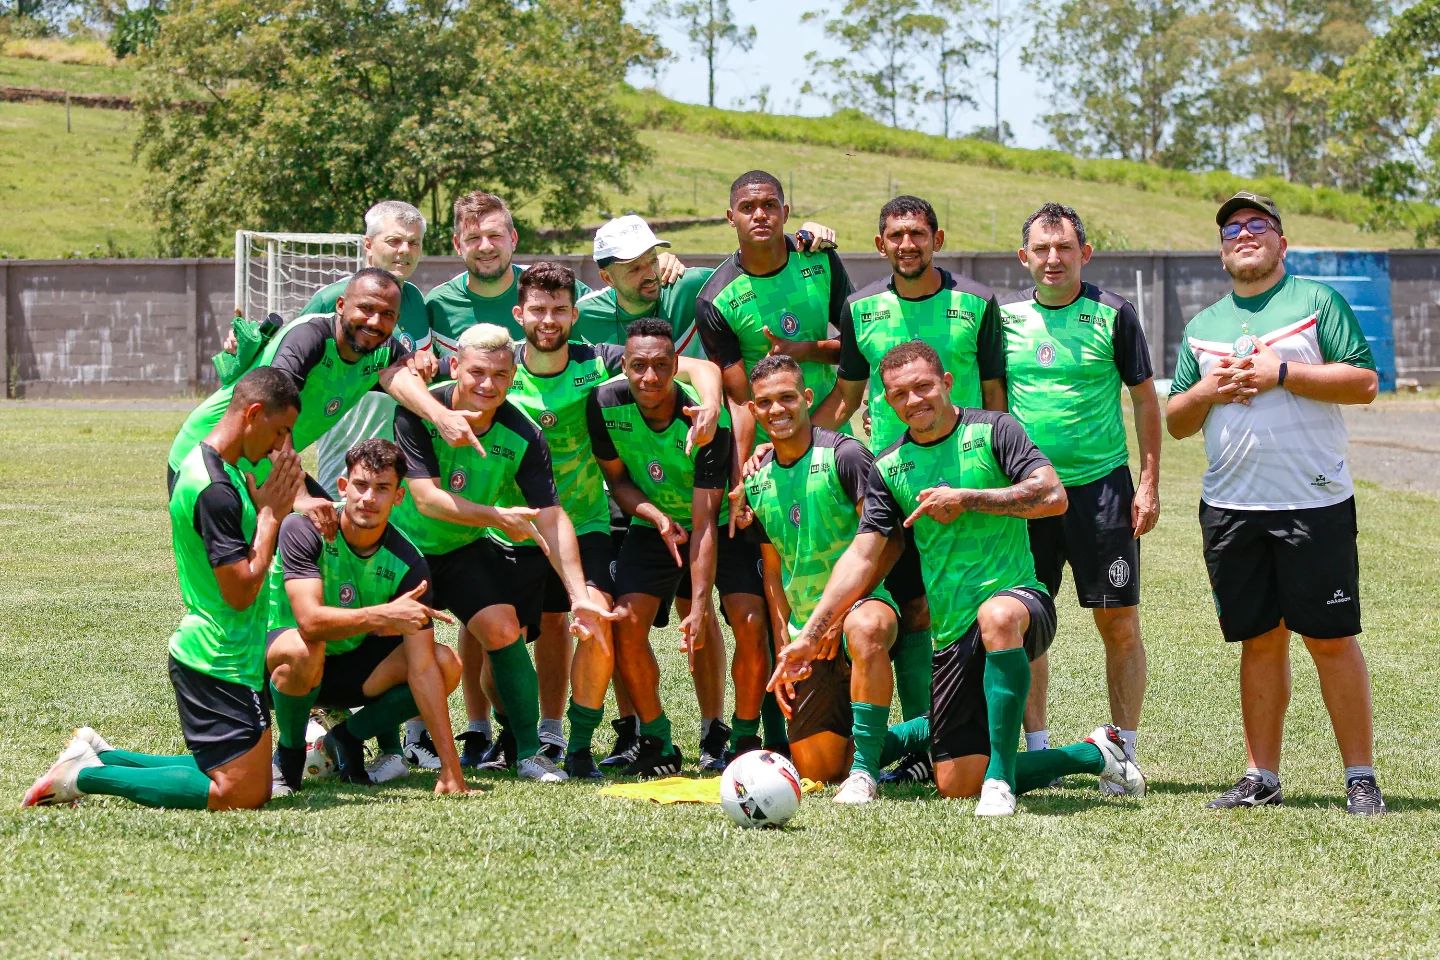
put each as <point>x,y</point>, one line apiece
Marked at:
<point>1255,226</point>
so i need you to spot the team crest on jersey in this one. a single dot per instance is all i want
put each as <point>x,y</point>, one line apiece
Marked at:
<point>548,419</point>
<point>1119,573</point>
<point>1045,354</point>
<point>347,594</point>
<point>795,515</point>
<point>333,407</point>
<point>790,324</point>
<point>457,481</point>
<point>657,472</point>
<point>407,341</point>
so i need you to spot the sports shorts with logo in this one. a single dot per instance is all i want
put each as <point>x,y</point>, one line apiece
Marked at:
<point>1299,566</point>
<point>221,721</point>
<point>484,574</point>
<point>646,566</point>
<point>597,552</point>
<point>1096,537</point>
<point>959,720</point>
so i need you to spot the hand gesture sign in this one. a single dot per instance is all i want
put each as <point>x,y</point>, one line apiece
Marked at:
<point>406,614</point>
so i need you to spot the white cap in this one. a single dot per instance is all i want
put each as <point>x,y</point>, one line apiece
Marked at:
<point>625,238</point>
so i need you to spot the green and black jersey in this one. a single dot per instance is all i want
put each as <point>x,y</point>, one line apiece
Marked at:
<point>514,472</point>
<point>349,580</point>
<point>961,321</point>
<point>807,511</point>
<point>803,300</point>
<point>969,560</point>
<point>557,402</point>
<point>656,459</point>
<point>1063,369</point>
<point>212,524</point>
<point>454,308</point>
<point>329,385</point>
<point>601,319</point>
<point>413,327</point>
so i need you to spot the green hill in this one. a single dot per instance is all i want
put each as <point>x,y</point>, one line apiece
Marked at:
<point>77,193</point>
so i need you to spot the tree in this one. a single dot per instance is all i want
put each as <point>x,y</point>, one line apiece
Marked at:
<point>313,111</point>
<point>711,29</point>
<point>876,73</point>
<point>943,31</point>
<point>1386,110</point>
<point>997,35</point>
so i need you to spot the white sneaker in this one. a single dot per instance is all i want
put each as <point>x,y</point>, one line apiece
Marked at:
<point>97,742</point>
<point>278,787</point>
<point>57,785</point>
<point>1120,771</point>
<point>858,788</point>
<point>541,769</point>
<point>421,752</point>
<point>996,800</point>
<point>387,766</point>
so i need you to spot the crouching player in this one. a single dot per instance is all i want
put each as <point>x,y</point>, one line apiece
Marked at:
<point>965,481</point>
<point>350,625</point>
<point>223,528</point>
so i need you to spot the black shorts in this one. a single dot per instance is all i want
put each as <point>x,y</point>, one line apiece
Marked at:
<point>1096,537</point>
<point>596,555</point>
<point>221,721</point>
<point>905,582</point>
<point>619,526</point>
<point>342,684</point>
<point>485,574</point>
<point>645,566</point>
<point>1299,566</point>
<point>959,721</point>
<point>822,701</point>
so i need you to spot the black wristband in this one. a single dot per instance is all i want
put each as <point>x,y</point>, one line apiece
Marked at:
<point>1284,369</point>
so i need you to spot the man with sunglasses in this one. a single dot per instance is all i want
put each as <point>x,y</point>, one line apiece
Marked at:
<point>1263,373</point>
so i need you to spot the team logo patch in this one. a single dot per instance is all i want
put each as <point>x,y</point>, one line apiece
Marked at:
<point>790,324</point>
<point>457,481</point>
<point>1119,573</point>
<point>347,594</point>
<point>407,341</point>
<point>795,515</point>
<point>548,419</point>
<point>657,472</point>
<point>333,407</point>
<point>1045,354</point>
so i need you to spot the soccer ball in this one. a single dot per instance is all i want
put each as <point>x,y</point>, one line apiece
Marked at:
<point>760,789</point>
<point>317,761</point>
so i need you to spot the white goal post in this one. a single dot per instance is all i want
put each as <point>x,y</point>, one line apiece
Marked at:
<point>280,272</point>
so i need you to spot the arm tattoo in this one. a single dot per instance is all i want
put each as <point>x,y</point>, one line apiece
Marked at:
<point>1020,500</point>
<point>818,627</point>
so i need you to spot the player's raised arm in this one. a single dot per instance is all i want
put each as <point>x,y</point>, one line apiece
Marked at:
<point>241,580</point>
<point>706,378</point>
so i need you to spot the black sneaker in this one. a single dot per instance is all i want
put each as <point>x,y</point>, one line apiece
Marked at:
<point>580,765</point>
<point>781,747</point>
<point>1249,791</point>
<point>290,761</point>
<point>501,755</point>
<point>915,768</point>
<point>1362,797</point>
<point>347,752</point>
<point>653,760</point>
<point>474,744</point>
<point>627,742</point>
<point>712,747</point>
<point>743,745</point>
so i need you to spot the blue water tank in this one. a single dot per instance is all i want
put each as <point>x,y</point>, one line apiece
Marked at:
<point>1362,277</point>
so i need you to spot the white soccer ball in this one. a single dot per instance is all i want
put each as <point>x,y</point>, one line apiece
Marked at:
<point>317,762</point>
<point>760,789</point>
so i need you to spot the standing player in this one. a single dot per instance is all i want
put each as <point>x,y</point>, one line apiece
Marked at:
<point>394,235</point>
<point>350,626</point>
<point>467,512</point>
<point>1068,348</point>
<point>965,481</point>
<point>960,319</point>
<point>553,382</point>
<point>675,495</point>
<point>223,528</point>
<point>1263,373</point>
<point>805,497</point>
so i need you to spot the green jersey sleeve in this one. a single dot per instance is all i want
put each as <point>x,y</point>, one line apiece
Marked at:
<point>1339,333</point>
<point>1187,368</point>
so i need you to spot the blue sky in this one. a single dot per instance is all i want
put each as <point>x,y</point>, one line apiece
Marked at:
<point>778,59</point>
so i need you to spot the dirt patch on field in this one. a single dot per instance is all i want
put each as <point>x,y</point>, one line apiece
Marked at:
<point>1396,444</point>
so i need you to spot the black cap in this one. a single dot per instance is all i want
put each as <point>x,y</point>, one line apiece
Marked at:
<point>1246,200</point>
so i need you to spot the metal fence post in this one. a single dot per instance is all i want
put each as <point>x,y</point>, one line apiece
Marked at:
<point>192,297</point>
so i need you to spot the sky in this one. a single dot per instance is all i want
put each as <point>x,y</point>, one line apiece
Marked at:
<point>778,60</point>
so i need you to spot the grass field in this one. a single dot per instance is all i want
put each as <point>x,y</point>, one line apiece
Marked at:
<point>522,870</point>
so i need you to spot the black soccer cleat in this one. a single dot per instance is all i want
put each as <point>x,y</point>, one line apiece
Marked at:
<point>501,755</point>
<point>627,742</point>
<point>347,752</point>
<point>474,744</point>
<point>653,760</point>
<point>290,761</point>
<point>580,765</point>
<point>712,747</point>
<point>1362,797</point>
<point>1249,791</point>
<point>914,768</point>
<point>743,745</point>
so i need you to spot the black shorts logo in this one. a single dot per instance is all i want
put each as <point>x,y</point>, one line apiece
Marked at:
<point>795,515</point>
<point>457,481</point>
<point>548,419</point>
<point>1045,354</point>
<point>657,472</point>
<point>347,594</point>
<point>333,407</point>
<point>790,324</point>
<point>1119,573</point>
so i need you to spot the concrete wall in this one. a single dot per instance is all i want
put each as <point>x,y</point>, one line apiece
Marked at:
<point>134,328</point>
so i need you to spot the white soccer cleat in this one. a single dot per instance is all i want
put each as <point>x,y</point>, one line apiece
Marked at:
<point>541,769</point>
<point>386,767</point>
<point>996,800</point>
<point>97,742</point>
<point>858,788</point>
<point>57,785</point>
<point>421,751</point>
<point>1120,771</point>
<point>278,787</point>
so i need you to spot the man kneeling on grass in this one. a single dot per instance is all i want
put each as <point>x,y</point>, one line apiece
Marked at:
<point>223,527</point>
<point>350,625</point>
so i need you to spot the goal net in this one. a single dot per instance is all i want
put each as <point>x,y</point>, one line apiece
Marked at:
<point>279,272</point>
